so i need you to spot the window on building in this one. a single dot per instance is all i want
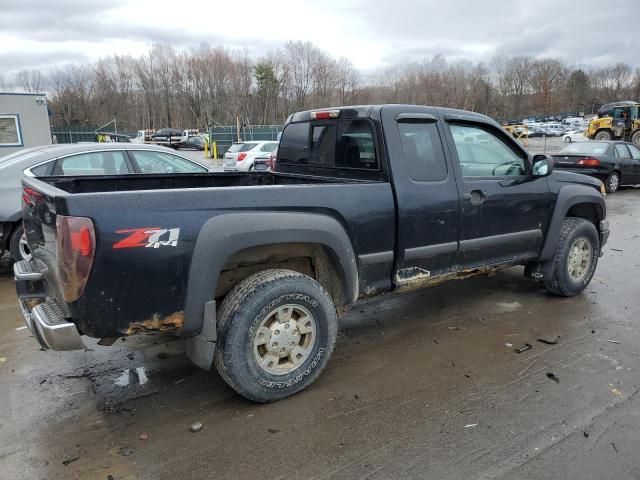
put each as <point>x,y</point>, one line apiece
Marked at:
<point>10,134</point>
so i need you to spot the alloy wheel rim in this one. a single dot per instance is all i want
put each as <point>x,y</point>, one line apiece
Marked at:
<point>23,248</point>
<point>284,339</point>
<point>613,183</point>
<point>580,257</point>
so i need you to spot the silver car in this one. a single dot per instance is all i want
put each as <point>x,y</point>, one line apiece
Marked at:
<point>73,160</point>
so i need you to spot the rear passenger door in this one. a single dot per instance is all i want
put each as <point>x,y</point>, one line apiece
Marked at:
<point>109,162</point>
<point>505,211</point>
<point>428,204</point>
<point>623,157</point>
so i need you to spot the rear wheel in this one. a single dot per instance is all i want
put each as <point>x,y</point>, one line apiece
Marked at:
<point>276,332</point>
<point>575,258</point>
<point>635,138</point>
<point>567,139</point>
<point>604,135</point>
<point>612,183</point>
<point>18,245</point>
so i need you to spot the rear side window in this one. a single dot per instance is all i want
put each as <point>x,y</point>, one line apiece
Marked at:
<point>621,151</point>
<point>635,153</point>
<point>356,147</point>
<point>294,144</point>
<point>151,161</point>
<point>330,144</point>
<point>423,152</point>
<point>95,163</point>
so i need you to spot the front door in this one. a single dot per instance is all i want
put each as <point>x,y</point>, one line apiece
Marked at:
<point>635,161</point>
<point>505,211</point>
<point>427,194</point>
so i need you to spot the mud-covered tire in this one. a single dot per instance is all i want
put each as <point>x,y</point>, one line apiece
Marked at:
<point>604,135</point>
<point>573,230</point>
<point>241,317</point>
<point>635,138</point>
<point>612,183</point>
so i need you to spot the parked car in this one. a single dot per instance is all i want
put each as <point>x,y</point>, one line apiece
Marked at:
<point>615,163</point>
<point>574,136</point>
<point>252,270</point>
<point>195,143</point>
<point>240,156</point>
<point>74,160</point>
<point>265,162</point>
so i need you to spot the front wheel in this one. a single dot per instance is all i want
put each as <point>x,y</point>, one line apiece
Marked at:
<point>567,139</point>
<point>575,259</point>
<point>276,332</point>
<point>635,138</point>
<point>604,135</point>
<point>612,183</point>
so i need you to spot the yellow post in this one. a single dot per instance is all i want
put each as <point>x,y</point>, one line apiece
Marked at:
<point>206,149</point>
<point>215,151</point>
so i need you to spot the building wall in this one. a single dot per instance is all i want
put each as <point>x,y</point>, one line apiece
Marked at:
<point>33,118</point>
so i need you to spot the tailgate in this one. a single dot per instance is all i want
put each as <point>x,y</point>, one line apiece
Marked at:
<point>41,294</point>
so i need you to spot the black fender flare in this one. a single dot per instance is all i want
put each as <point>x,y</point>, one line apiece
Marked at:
<point>224,235</point>
<point>569,196</point>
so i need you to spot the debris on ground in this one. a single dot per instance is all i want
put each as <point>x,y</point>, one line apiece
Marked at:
<point>523,348</point>
<point>3,359</point>
<point>131,356</point>
<point>126,450</point>
<point>614,447</point>
<point>470,425</point>
<point>195,427</point>
<point>616,249</point>
<point>549,340</point>
<point>453,328</point>
<point>616,392</point>
<point>585,433</point>
<point>553,377</point>
<point>143,436</point>
<point>508,345</point>
<point>272,430</point>
<point>69,460</point>
<point>613,341</point>
<point>178,382</point>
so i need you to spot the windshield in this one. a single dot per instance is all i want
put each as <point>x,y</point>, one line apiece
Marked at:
<point>241,147</point>
<point>586,148</point>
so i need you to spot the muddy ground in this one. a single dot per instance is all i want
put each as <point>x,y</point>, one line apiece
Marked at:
<point>422,385</point>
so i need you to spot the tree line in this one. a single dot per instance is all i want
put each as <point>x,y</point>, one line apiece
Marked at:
<point>208,86</point>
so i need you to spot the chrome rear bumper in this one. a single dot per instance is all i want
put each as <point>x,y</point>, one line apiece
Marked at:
<point>45,317</point>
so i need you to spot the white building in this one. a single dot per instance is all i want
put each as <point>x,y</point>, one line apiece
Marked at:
<point>24,121</point>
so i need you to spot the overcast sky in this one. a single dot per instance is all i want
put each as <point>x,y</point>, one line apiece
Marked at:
<point>373,34</point>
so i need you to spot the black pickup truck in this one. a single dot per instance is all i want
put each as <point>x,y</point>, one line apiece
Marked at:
<point>254,269</point>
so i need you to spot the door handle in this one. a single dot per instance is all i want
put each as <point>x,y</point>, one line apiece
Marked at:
<point>476,197</point>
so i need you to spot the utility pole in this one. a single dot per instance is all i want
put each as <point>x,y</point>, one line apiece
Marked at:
<point>238,126</point>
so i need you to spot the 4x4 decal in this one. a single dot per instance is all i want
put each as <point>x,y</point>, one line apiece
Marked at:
<point>148,237</point>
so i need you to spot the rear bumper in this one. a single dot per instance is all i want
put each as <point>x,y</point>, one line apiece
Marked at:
<point>45,317</point>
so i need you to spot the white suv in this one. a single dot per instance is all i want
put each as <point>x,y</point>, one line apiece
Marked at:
<point>240,156</point>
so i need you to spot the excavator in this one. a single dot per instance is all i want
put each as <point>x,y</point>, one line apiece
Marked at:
<point>616,121</point>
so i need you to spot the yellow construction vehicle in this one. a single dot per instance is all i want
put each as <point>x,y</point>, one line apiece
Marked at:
<point>616,121</point>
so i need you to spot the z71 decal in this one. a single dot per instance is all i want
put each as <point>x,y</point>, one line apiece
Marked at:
<point>148,237</point>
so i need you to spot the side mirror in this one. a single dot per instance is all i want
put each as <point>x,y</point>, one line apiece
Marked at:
<point>542,165</point>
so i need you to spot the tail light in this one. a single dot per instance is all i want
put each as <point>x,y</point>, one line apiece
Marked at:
<point>76,247</point>
<point>271,163</point>
<point>588,162</point>
<point>325,115</point>
<point>242,156</point>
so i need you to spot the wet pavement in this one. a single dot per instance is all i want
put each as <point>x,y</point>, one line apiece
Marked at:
<point>422,385</point>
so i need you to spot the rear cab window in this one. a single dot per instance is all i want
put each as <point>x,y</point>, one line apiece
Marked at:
<point>335,147</point>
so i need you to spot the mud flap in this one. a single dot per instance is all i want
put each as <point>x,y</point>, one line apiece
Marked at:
<point>200,348</point>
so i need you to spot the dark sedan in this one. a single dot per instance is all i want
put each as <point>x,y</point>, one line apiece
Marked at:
<point>615,163</point>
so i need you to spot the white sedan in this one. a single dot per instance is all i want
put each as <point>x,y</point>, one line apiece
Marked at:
<point>240,155</point>
<point>574,136</point>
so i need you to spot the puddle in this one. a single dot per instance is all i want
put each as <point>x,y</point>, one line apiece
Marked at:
<point>132,376</point>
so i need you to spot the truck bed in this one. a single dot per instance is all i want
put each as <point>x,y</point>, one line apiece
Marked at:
<point>121,183</point>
